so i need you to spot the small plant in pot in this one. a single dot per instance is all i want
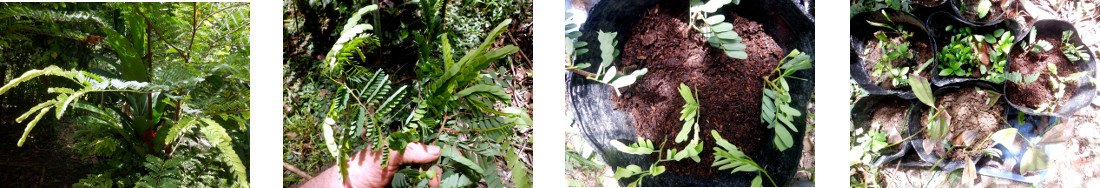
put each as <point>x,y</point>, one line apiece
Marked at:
<point>957,122</point>
<point>894,47</point>
<point>968,54</point>
<point>1045,73</point>
<point>879,129</point>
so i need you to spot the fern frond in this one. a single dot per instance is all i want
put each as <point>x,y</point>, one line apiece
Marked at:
<point>350,30</point>
<point>31,125</point>
<point>214,133</point>
<point>31,74</point>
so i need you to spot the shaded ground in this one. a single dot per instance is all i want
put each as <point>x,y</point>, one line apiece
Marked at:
<point>46,159</point>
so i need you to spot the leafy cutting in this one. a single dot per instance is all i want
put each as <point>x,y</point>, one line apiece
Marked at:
<point>574,48</point>
<point>939,122</point>
<point>642,147</point>
<point>719,34</point>
<point>728,156</point>
<point>690,115</point>
<point>1031,46</point>
<point>893,51</point>
<point>776,109</point>
<point>1074,53</point>
<point>606,72</point>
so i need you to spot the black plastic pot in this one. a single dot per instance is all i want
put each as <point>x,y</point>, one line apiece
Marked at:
<point>938,22</point>
<point>922,11</point>
<point>863,32</point>
<point>915,126</point>
<point>994,18</point>
<point>1082,97</point>
<point>864,110</point>
<point>599,123</point>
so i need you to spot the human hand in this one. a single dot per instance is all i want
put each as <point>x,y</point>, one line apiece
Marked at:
<point>364,171</point>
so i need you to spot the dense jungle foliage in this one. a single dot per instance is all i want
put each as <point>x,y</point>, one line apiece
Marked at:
<point>379,74</point>
<point>155,94</point>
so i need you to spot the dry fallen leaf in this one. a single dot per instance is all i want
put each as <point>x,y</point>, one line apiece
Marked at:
<point>970,173</point>
<point>965,139</point>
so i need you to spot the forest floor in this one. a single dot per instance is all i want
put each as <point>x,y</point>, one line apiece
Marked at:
<point>47,158</point>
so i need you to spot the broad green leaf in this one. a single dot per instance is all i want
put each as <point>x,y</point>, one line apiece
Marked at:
<point>1034,160</point>
<point>464,161</point>
<point>1004,136</point>
<point>757,182</point>
<point>922,90</point>
<point>983,8</point>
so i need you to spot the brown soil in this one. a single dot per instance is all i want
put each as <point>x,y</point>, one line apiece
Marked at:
<point>890,117</point>
<point>928,2</point>
<point>922,47</point>
<point>729,89</point>
<point>970,14</point>
<point>968,110</point>
<point>1040,91</point>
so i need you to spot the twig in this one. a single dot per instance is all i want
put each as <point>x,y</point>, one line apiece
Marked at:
<point>186,59</point>
<point>291,168</point>
<point>582,73</point>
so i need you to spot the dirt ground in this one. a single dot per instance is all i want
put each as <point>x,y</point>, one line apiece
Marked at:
<point>47,159</point>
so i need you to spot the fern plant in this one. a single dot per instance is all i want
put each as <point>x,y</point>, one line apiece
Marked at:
<point>719,34</point>
<point>776,110</point>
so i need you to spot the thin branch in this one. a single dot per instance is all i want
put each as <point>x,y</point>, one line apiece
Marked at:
<point>207,52</point>
<point>220,10</point>
<point>178,50</point>
<point>194,25</point>
<point>291,168</point>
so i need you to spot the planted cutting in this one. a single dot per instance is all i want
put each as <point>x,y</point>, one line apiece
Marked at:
<point>897,51</point>
<point>956,121</point>
<point>978,11</point>
<point>1045,73</point>
<point>880,124</point>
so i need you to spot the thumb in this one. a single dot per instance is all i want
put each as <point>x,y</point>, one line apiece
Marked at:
<point>415,153</point>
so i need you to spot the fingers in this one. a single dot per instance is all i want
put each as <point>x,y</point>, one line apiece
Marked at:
<point>415,153</point>
<point>438,175</point>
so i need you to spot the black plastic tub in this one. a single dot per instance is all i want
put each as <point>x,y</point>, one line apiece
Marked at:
<point>863,112</point>
<point>863,32</point>
<point>599,123</point>
<point>915,126</point>
<point>1082,97</point>
<point>937,24</point>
